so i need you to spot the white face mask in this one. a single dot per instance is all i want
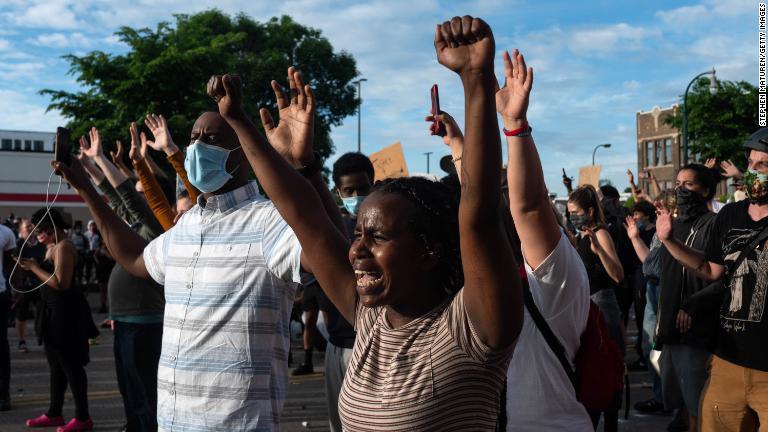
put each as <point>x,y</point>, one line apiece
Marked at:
<point>206,166</point>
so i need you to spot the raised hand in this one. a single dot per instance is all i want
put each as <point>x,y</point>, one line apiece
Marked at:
<point>144,144</point>
<point>92,149</point>
<point>663,222</point>
<point>453,136</point>
<point>632,230</point>
<point>630,177</point>
<point>512,100</point>
<point>117,155</point>
<point>730,170</point>
<point>711,163</point>
<point>159,128</point>
<point>135,152</point>
<point>227,91</point>
<point>293,135</point>
<point>465,45</point>
<point>594,242</point>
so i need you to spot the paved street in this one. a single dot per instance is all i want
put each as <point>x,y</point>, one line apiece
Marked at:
<point>305,408</point>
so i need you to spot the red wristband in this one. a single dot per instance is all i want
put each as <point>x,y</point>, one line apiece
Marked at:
<point>516,132</point>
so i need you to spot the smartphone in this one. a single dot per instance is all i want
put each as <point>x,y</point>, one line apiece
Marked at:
<point>437,128</point>
<point>62,148</point>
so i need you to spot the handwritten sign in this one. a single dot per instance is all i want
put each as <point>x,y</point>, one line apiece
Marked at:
<point>590,175</point>
<point>389,162</point>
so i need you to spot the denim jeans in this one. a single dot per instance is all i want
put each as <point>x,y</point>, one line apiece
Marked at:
<point>649,331</point>
<point>137,353</point>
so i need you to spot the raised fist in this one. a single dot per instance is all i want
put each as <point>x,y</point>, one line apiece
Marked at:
<point>226,90</point>
<point>465,45</point>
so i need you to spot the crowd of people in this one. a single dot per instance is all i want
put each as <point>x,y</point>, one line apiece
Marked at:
<point>470,303</point>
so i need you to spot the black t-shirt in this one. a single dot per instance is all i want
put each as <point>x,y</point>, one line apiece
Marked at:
<point>743,326</point>
<point>340,331</point>
<point>677,285</point>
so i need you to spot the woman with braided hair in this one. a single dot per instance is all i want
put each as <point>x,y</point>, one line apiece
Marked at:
<point>432,346</point>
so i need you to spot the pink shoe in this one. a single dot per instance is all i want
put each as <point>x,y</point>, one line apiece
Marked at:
<point>77,425</point>
<point>45,421</point>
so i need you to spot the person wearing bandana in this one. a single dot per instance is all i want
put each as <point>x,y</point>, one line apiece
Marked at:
<point>686,328</point>
<point>736,396</point>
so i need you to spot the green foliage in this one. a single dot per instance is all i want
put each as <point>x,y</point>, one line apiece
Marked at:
<point>719,123</point>
<point>630,202</point>
<point>166,70</point>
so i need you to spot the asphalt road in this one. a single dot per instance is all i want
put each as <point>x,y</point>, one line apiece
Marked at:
<point>305,408</point>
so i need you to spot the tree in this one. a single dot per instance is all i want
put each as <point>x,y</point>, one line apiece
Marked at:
<point>719,123</point>
<point>166,70</point>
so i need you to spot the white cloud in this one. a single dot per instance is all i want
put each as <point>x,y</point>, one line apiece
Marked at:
<point>696,16</point>
<point>20,71</point>
<point>63,40</point>
<point>58,14</point>
<point>631,85</point>
<point>17,112</point>
<point>610,39</point>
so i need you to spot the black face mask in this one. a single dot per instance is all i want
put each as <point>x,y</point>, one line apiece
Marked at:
<point>578,221</point>
<point>689,204</point>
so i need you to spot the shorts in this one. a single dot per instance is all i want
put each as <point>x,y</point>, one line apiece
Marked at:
<point>314,298</point>
<point>683,376</point>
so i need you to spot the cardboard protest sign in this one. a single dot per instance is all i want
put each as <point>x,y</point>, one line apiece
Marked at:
<point>590,175</point>
<point>389,162</point>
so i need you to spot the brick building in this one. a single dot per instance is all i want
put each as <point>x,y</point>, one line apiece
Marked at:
<point>660,148</point>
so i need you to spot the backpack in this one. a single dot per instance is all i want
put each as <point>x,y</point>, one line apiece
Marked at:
<point>600,369</point>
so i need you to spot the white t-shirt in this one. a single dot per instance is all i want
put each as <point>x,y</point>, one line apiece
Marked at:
<point>7,242</point>
<point>540,397</point>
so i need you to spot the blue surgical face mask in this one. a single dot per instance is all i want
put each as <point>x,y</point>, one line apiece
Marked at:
<point>641,225</point>
<point>206,166</point>
<point>352,203</point>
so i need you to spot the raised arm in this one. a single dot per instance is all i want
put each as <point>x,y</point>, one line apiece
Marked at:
<point>528,196</point>
<point>155,197</point>
<point>117,159</point>
<point>602,245</point>
<point>452,137</point>
<point>95,151</point>
<point>123,243</point>
<point>641,249</point>
<point>297,122</point>
<point>164,142</point>
<point>325,249</point>
<point>690,258</point>
<point>492,290</point>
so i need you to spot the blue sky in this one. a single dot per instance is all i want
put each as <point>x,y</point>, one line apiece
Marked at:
<point>596,63</point>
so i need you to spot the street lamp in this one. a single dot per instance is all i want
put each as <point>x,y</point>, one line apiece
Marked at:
<point>606,145</point>
<point>359,108</point>
<point>427,155</point>
<point>712,89</point>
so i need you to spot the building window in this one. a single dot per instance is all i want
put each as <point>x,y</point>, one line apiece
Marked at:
<point>659,152</point>
<point>17,145</point>
<point>7,144</point>
<point>649,161</point>
<point>27,145</point>
<point>39,146</point>
<point>668,151</point>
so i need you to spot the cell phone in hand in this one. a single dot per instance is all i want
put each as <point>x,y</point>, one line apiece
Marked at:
<point>437,128</point>
<point>62,147</point>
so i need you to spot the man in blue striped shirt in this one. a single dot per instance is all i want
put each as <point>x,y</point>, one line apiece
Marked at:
<point>230,268</point>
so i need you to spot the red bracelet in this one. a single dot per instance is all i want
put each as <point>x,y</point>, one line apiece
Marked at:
<point>516,132</point>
